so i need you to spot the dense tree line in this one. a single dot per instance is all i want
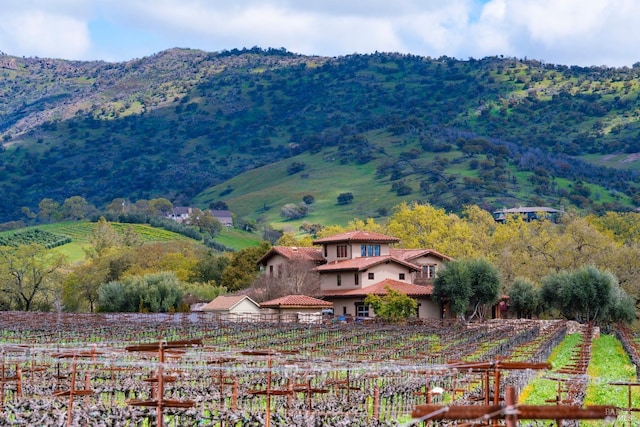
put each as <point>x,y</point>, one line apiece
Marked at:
<point>582,267</point>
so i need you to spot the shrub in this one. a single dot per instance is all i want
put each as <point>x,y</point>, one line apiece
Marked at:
<point>345,198</point>
<point>293,211</point>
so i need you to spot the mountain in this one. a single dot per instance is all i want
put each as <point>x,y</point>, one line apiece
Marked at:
<point>262,128</point>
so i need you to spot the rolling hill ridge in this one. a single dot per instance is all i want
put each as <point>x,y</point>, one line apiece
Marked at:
<point>262,128</point>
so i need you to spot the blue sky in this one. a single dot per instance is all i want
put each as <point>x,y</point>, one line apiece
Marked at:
<point>570,32</point>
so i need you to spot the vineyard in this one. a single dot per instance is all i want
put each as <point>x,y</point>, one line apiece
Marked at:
<point>196,369</point>
<point>34,235</point>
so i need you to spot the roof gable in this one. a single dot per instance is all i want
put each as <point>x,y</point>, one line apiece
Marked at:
<point>411,254</point>
<point>227,302</point>
<point>292,252</point>
<point>357,236</point>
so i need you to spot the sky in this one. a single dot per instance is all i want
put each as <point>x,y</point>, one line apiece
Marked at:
<point>568,32</point>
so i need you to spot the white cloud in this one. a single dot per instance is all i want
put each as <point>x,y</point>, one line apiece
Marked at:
<point>583,32</point>
<point>39,32</point>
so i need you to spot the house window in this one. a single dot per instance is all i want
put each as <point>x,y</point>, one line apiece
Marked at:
<point>325,250</point>
<point>362,310</point>
<point>369,250</point>
<point>356,279</point>
<point>341,251</point>
<point>339,279</point>
<point>271,270</point>
<point>432,271</point>
<point>370,276</point>
<point>401,276</point>
<point>429,271</point>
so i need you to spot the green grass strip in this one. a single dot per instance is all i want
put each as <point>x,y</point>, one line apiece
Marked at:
<point>610,363</point>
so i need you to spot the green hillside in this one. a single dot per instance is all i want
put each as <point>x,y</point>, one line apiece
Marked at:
<point>189,126</point>
<point>80,234</point>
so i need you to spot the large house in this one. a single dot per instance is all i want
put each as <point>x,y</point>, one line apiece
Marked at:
<point>529,213</point>
<point>355,264</point>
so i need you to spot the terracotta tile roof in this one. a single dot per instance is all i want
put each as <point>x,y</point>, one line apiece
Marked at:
<point>362,263</point>
<point>296,301</point>
<point>379,289</point>
<point>226,302</point>
<point>293,252</point>
<point>357,236</point>
<point>410,254</point>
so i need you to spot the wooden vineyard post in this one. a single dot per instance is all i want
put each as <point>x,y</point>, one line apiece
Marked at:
<point>485,368</point>
<point>511,399</point>
<point>223,381</point>
<point>4,379</point>
<point>72,392</point>
<point>309,391</point>
<point>629,409</point>
<point>157,400</point>
<point>268,392</point>
<point>376,403</point>
<point>344,384</point>
<point>513,412</point>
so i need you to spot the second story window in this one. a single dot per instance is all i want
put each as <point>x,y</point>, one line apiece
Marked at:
<point>369,250</point>
<point>339,279</point>
<point>370,276</point>
<point>429,271</point>
<point>341,251</point>
<point>401,276</point>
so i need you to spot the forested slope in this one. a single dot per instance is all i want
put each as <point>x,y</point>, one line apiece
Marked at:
<point>493,131</point>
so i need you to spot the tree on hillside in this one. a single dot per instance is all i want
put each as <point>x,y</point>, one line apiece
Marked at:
<point>103,238</point>
<point>160,206</point>
<point>394,306</point>
<point>290,239</point>
<point>293,211</point>
<point>76,208</point>
<point>242,269</point>
<point>219,205</point>
<point>48,210</point>
<point>209,268</point>
<point>205,221</point>
<point>117,206</point>
<point>345,198</point>
<point>467,285</point>
<point>27,274</point>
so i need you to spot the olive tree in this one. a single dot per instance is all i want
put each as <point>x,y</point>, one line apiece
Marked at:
<point>467,285</point>
<point>158,292</point>
<point>585,295</point>
<point>524,298</point>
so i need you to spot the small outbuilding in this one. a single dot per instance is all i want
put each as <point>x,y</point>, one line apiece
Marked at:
<point>234,307</point>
